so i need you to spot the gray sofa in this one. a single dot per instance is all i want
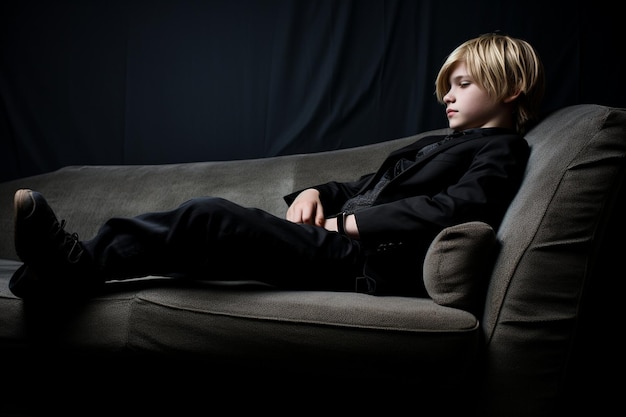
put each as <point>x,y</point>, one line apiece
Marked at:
<point>539,342</point>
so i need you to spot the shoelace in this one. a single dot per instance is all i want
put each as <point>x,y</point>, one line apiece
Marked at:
<point>75,250</point>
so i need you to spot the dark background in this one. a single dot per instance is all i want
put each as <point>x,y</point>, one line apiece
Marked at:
<point>165,81</point>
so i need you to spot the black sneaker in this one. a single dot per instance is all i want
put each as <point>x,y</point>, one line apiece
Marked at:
<point>39,237</point>
<point>55,261</point>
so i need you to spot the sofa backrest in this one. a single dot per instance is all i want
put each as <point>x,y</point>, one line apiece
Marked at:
<point>551,240</point>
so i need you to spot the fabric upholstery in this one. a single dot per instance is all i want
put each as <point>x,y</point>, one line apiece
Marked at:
<point>457,263</point>
<point>551,238</point>
<point>247,320</point>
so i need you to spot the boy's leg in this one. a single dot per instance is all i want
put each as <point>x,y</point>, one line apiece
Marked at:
<point>209,238</point>
<point>216,239</point>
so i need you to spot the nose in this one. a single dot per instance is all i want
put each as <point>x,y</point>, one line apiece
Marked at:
<point>448,98</point>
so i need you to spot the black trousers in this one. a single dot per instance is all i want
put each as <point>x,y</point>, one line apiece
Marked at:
<point>216,239</point>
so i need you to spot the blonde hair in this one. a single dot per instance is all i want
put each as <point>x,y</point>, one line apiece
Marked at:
<point>502,66</point>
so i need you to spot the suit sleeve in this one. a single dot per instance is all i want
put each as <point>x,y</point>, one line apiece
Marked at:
<point>333,194</point>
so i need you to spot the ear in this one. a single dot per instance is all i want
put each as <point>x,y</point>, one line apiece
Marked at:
<point>513,97</point>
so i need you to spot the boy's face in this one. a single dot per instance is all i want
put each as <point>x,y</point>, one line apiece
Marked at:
<point>468,106</point>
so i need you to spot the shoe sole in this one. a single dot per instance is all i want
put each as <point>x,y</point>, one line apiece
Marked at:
<point>19,198</point>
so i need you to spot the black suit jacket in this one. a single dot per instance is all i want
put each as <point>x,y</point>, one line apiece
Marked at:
<point>473,176</point>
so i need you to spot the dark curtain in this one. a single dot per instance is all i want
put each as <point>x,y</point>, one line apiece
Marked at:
<point>165,81</point>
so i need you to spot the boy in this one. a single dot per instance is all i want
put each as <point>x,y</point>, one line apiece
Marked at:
<point>373,231</point>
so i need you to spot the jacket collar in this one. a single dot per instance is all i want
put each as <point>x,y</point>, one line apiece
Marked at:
<point>482,131</point>
<point>465,134</point>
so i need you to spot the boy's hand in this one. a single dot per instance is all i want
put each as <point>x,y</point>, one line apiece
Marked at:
<point>306,208</point>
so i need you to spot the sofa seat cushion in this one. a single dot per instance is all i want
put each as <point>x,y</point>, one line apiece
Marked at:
<point>249,321</point>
